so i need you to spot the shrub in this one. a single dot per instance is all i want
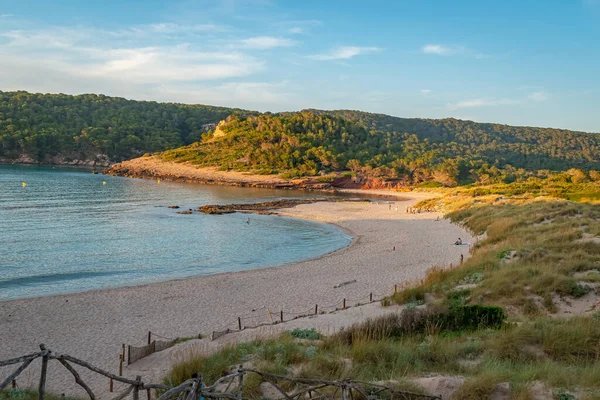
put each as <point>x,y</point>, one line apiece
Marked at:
<point>310,334</point>
<point>413,321</point>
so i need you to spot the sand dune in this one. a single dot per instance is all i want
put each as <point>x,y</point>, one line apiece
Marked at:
<point>93,325</point>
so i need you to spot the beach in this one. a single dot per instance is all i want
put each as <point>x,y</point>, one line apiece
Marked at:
<point>93,325</point>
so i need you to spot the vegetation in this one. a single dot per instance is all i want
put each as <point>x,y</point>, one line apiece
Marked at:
<point>537,249</point>
<point>407,151</point>
<point>43,126</point>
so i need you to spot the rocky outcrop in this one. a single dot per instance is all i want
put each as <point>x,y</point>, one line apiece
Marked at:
<point>265,207</point>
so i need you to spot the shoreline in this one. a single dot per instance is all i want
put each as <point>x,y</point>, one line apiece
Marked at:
<point>276,213</point>
<point>93,325</point>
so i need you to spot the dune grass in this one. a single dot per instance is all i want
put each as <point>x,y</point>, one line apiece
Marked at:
<point>535,249</point>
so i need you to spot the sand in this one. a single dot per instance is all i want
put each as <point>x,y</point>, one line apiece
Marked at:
<point>93,325</point>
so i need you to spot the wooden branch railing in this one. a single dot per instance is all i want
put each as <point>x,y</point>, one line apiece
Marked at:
<point>195,388</point>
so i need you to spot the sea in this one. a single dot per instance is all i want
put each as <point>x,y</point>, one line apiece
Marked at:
<point>68,230</point>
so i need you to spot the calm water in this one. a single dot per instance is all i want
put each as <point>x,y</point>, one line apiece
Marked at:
<point>67,232</point>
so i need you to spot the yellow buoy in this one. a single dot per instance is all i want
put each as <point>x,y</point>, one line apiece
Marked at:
<point>23,184</point>
<point>158,181</point>
<point>104,182</point>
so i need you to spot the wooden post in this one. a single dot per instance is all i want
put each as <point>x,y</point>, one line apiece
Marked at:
<point>128,354</point>
<point>149,337</point>
<point>42,386</point>
<point>395,289</point>
<point>344,304</point>
<point>148,394</point>
<point>121,367</point>
<point>136,388</point>
<point>239,323</point>
<point>371,297</point>
<point>241,393</point>
<point>110,386</point>
<point>14,384</point>
<point>281,315</point>
<point>462,258</point>
<point>316,309</point>
<point>269,314</point>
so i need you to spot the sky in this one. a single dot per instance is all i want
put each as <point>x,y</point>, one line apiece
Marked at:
<point>534,63</point>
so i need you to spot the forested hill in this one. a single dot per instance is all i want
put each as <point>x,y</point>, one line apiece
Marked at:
<point>58,127</point>
<point>416,150</point>
<point>557,143</point>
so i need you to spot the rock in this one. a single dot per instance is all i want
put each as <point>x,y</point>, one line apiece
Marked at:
<point>429,298</point>
<point>501,392</point>
<point>175,207</point>
<point>265,206</point>
<point>441,385</point>
<point>539,391</point>
<point>269,392</point>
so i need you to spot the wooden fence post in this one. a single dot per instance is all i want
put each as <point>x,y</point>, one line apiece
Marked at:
<point>316,309</point>
<point>371,297</point>
<point>281,315</point>
<point>239,323</point>
<point>136,388</point>
<point>110,386</point>
<point>344,304</point>
<point>462,258</point>
<point>269,314</point>
<point>123,352</point>
<point>42,386</point>
<point>14,384</point>
<point>148,394</point>
<point>395,289</point>
<point>241,393</point>
<point>150,337</point>
<point>121,367</point>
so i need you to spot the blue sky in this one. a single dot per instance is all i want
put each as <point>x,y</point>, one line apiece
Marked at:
<point>514,62</point>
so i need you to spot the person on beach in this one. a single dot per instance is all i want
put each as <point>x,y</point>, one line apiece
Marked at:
<point>458,242</point>
<point>248,221</point>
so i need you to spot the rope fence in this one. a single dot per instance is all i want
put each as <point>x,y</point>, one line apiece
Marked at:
<point>253,321</point>
<point>270,318</point>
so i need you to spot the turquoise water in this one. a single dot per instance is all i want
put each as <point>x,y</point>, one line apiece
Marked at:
<point>66,232</point>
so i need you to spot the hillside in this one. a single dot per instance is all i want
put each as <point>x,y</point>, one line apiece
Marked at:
<point>58,128</point>
<point>447,151</point>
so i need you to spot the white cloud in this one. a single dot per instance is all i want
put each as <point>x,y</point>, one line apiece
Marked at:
<point>474,103</point>
<point>6,15</point>
<point>425,91</point>
<point>344,53</point>
<point>266,42</point>
<point>437,49</point>
<point>296,30</point>
<point>71,53</point>
<point>538,96</point>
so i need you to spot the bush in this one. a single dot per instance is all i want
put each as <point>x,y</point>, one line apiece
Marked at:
<point>429,320</point>
<point>310,334</point>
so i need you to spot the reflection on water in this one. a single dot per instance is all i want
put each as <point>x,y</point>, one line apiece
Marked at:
<point>66,231</point>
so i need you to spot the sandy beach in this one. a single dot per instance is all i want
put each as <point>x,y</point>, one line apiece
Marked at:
<point>93,325</point>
